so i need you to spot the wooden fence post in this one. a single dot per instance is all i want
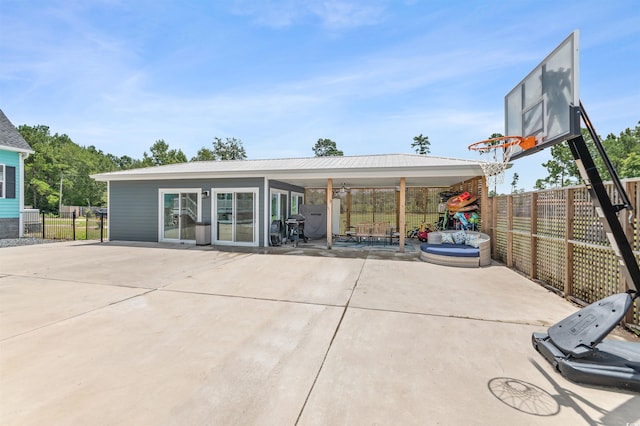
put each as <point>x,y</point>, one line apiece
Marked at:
<point>533,245</point>
<point>568,246</point>
<point>494,223</point>
<point>627,227</point>
<point>510,231</point>
<point>626,217</point>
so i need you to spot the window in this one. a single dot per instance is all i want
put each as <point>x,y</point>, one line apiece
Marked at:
<point>297,200</point>
<point>7,181</point>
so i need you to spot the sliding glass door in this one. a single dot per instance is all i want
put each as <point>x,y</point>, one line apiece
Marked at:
<point>180,209</point>
<point>279,205</point>
<point>235,216</point>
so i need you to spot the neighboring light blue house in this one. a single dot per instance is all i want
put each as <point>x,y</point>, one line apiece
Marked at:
<point>13,151</point>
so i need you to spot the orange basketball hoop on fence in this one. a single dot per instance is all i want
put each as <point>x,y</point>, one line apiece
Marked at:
<point>501,149</point>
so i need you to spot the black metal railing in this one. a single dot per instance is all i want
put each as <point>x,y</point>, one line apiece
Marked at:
<point>65,226</point>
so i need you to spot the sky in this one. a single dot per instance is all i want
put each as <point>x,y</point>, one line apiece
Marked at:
<point>280,74</point>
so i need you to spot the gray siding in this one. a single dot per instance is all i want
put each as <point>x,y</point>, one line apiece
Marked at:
<point>275,184</point>
<point>133,205</point>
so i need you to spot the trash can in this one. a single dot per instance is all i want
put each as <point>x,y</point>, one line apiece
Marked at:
<point>203,233</point>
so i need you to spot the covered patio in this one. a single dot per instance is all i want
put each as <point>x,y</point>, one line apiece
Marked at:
<point>380,198</point>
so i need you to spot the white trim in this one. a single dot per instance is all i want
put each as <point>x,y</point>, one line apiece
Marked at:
<point>212,216</point>
<point>409,171</point>
<point>266,221</point>
<point>3,186</point>
<point>14,149</point>
<point>161,192</point>
<point>284,192</point>
<point>21,196</point>
<point>214,219</point>
<point>268,201</point>
<point>373,166</point>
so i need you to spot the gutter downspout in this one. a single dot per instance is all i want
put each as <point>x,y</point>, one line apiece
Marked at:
<point>21,157</point>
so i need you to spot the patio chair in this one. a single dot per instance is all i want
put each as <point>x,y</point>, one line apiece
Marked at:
<point>351,233</point>
<point>393,233</point>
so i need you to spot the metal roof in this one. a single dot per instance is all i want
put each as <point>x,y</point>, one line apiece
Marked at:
<point>10,138</point>
<point>366,169</point>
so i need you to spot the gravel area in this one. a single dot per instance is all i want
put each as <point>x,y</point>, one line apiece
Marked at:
<point>14,242</point>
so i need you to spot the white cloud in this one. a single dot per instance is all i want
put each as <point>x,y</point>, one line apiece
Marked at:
<point>337,14</point>
<point>333,14</point>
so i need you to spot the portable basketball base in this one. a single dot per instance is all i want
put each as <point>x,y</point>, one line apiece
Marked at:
<point>576,346</point>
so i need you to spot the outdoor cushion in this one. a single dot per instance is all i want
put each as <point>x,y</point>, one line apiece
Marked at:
<point>472,240</point>
<point>454,250</point>
<point>459,237</point>
<point>434,238</point>
<point>447,238</point>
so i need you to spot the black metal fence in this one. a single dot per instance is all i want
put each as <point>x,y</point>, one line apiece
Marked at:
<point>65,226</point>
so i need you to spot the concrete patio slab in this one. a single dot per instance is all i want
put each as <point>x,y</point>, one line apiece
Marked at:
<point>168,357</point>
<point>398,368</point>
<point>31,303</point>
<point>144,333</point>
<point>492,293</point>
<point>296,278</point>
<point>136,265</point>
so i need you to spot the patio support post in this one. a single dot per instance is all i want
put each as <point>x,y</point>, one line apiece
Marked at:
<point>329,212</point>
<point>348,224</point>
<point>401,206</point>
<point>484,203</point>
<point>397,222</point>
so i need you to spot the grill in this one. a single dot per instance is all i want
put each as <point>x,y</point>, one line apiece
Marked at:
<point>295,229</point>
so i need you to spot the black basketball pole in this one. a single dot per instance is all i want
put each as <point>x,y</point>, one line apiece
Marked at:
<point>605,209</point>
<point>607,162</point>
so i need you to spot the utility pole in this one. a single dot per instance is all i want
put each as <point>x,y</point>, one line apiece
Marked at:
<point>60,201</point>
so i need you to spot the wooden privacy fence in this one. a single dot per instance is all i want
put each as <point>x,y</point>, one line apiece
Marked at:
<point>555,237</point>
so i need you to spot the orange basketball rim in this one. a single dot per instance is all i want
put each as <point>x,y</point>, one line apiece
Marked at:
<point>525,142</point>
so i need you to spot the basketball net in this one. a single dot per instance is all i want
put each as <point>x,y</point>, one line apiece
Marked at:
<point>494,168</point>
<point>501,149</point>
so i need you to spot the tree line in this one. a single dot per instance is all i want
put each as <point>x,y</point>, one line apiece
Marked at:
<point>61,168</point>
<point>58,173</point>
<point>623,150</point>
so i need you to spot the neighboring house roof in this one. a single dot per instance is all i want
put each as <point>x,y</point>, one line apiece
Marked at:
<point>10,138</point>
<point>353,170</point>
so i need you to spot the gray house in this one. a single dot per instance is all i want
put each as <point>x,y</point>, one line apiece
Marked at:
<point>13,151</point>
<point>240,199</point>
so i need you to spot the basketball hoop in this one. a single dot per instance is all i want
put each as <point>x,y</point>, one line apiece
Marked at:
<point>503,147</point>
